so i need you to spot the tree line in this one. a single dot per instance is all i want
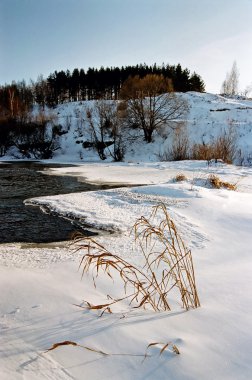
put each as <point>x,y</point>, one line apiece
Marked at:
<point>32,135</point>
<point>36,134</point>
<point>104,83</point>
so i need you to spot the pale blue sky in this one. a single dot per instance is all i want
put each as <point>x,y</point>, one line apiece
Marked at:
<point>206,36</point>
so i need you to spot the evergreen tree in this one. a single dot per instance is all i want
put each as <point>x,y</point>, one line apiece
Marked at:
<point>196,83</point>
<point>75,85</point>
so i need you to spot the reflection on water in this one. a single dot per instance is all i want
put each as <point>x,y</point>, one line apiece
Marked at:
<point>20,223</point>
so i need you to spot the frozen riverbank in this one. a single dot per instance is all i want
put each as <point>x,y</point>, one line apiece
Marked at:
<point>41,285</point>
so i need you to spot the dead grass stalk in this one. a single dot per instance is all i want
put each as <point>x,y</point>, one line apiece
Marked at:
<point>168,265</point>
<point>216,183</point>
<point>180,177</point>
<point>164,346</point>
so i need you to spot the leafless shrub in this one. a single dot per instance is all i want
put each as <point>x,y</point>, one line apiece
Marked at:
<point>202,152</point>
<point>223,147</point>
<point>168,265</point>
<point>180,144</point>
<point>106,124</point>
<point>179,147</point>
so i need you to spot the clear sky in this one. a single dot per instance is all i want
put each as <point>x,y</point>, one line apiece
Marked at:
<point>206,36</point>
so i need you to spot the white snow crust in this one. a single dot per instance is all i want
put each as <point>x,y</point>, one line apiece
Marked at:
<point>41,284</point>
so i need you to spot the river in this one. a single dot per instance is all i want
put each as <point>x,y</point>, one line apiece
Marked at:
<point>20,223</point>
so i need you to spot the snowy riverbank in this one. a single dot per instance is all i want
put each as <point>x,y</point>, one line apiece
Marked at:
<point>40,285</point>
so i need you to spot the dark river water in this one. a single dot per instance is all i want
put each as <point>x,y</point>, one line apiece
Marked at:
<point>20,223</point>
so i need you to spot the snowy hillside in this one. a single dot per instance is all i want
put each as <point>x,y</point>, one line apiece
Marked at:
<point>209,116</point>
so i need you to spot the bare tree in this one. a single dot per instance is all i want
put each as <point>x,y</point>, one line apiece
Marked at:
<point>11,92</point>
<point>230,84</point>
<point>41,91</point>
<point>106,127</point>
<point>247,90</point>
<point>151,103</point>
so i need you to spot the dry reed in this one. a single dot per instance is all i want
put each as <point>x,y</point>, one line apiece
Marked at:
<point>180,177</point>
<point>222,147</point>
<point>216,183</point>
<point>164,346</point>
<point>168,265</point>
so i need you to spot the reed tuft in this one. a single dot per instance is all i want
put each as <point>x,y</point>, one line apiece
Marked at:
<point>180,177</point>
<point>216,183</point>
<point>168,265</point>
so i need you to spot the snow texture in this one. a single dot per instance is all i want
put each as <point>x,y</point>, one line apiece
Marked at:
<point>40,285</point>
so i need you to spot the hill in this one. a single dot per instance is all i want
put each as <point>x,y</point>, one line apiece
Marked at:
<point>209,117</point>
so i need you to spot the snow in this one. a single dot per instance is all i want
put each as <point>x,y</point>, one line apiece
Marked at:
<point>209,116</point>
<point>41,284</point>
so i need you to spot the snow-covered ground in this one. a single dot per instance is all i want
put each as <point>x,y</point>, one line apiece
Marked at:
<point>209,116</point>
<point>41,285</point>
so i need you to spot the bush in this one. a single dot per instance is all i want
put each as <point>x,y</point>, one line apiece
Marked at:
<point>180,146</point>
<point>34,136</point>
<point>223,147</point>
<point>36,140</point>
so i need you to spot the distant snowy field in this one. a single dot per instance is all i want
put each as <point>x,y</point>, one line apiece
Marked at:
<point>41,285</point>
